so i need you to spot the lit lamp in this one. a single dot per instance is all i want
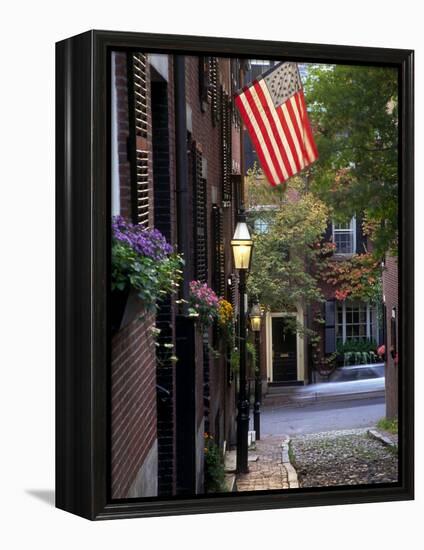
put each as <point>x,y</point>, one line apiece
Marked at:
<point>255,317</point>
<point>242,249</point>
<point>242,244</point>
<point>255,323</point>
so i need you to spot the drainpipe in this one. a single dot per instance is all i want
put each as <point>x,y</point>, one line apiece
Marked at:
<point>183,220</point>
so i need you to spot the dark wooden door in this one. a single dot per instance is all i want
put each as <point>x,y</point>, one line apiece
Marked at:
<point>284,351</point>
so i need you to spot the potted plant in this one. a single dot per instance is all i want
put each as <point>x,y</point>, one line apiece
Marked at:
<point>203,304</point>
<point>144,261</point>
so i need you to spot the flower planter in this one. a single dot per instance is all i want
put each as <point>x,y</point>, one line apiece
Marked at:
<point>118,303</point>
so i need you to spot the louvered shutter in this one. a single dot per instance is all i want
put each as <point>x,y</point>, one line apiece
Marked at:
<point>360,237</point>
<point>139,151</point>
<point>328,235</point>
<point>204,88</point>
<point>226,148</point>
<point>200,216</point>
<point>214,89</point>
<point>218,251</point>
<point>235,86</point>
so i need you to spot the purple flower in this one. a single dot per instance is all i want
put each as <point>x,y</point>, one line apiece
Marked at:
<point>147,242</point>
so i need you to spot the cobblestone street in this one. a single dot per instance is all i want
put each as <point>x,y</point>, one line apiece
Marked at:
<point>341,457</point>
<point>344,457</point>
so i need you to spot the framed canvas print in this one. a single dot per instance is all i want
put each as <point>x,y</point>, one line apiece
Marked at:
<point>234,275</point>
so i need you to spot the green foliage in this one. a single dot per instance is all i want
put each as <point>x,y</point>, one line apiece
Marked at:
<point>358,352</point>
<point>152,279</point>
<point>388,425</point>
<point>214,467</point>
<point>279,275</point>
<point>356,345</point>
<point>251,358</point>
<point>354,115</point>
<point>260,192</point>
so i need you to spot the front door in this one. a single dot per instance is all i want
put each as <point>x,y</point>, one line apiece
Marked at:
<point>284,351</point>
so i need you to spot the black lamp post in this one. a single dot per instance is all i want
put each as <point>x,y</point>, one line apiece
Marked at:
<point>255,323</point>
<point>242,247</point>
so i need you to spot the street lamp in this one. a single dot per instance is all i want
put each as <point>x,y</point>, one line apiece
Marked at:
<point>242,248</point>
<point>255,323</point>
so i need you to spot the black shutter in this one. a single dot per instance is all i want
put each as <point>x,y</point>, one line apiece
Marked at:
<point>328,235</point>
<point>360,237</point>
<point>214,89</point>
<point>200,219</point>
<point>218,279</point>
<point>226,148</point>
<point>204,92</point>
<point>330,326</point>
<point>139,152</point>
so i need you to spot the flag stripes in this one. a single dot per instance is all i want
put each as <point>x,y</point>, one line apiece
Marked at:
<point>282,135</point>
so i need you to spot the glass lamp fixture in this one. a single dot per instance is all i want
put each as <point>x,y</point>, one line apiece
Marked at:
<point>242,246</point>
<point>255,317</point>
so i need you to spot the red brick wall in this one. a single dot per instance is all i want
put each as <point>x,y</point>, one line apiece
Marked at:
<point>133,353</point>
<point>390,294</point>
<point>133,402</point>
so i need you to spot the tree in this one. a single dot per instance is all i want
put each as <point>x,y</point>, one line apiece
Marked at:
<point>280,275</point>
<point>354,115</point>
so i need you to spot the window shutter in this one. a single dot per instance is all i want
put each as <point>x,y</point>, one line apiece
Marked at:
<point>213,87</point>
<point>226,148</point>
<point>360,237</point>
<point>218,251</point>
<point>328,235</point>
<point>330,326</point>
<point>204,83</point>
<point>235,86</point>
<point>200,217</point>
<point>139,151</point>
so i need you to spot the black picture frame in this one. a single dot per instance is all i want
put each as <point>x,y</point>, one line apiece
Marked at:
<point>82,241</point>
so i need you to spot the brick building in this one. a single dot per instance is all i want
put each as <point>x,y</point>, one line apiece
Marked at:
<point>175,148</point>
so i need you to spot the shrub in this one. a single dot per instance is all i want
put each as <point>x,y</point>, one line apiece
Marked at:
<point>357,346</point>
<point>214,467</point>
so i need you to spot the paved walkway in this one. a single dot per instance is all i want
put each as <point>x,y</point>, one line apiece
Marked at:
<point>266,469</point>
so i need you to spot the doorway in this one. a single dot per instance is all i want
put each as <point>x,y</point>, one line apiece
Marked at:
<point>284,351</point>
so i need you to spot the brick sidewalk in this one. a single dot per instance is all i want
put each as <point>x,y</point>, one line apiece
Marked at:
<point>267,471</point>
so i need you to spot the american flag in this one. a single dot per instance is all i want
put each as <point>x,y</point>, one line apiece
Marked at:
<point>273,109</point>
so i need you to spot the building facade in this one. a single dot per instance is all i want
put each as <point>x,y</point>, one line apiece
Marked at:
<point>175,152</point>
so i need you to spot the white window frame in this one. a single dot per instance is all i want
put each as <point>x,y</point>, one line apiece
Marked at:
<point>351,230</point>
<point>368,326</point>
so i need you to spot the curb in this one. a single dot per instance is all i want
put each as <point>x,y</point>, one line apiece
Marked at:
<point>380,437</point>
<point>291,472</point>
